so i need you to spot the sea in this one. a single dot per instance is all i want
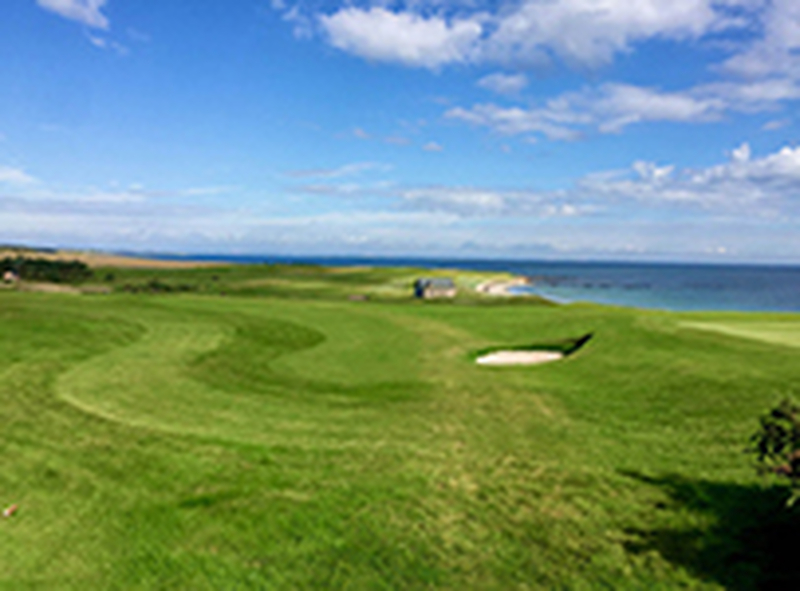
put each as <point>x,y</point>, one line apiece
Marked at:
<point>665,286</point>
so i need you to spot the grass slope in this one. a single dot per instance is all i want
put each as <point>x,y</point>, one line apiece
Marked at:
<point>274,440</point>
<point>777,331</point>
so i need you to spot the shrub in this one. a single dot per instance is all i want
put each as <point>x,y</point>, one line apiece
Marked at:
<point>777,445</point>
<point>38,269</point>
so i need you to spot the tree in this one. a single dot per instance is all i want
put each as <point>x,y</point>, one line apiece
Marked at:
<point>777,445</point>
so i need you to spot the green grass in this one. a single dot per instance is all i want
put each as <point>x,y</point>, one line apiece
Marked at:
<point>777,331</point>
<point>287,281</point>
<point>288,438</point>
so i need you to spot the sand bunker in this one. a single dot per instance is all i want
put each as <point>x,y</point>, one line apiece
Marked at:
<point>519,357</point>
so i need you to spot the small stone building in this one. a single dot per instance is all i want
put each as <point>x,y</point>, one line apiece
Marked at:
<point>435,287</point>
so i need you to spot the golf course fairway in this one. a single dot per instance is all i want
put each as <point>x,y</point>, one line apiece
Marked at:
<point>264,429</point>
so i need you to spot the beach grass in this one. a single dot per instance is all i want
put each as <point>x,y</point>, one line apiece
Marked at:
<point>281,436</point>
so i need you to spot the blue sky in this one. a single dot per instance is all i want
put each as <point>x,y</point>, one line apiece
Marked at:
<point>571,129</point>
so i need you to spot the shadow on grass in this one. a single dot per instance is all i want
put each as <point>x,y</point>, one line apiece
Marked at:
<point>749,542</point>
<point>564,346</point>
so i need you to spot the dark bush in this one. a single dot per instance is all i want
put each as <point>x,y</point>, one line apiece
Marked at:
<point>777,445</point>
<point>53,271</point>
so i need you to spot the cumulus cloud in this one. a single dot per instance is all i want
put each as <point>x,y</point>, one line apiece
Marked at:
<point>775,51</point>
<point>402,37</point>
<point>592,32</point>
<point>585,32</point>
<point>761,73</point>
<point>742,187</point>
<point>87,12</point>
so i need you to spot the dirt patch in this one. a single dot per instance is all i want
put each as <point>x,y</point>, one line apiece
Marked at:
<point>40,287</point>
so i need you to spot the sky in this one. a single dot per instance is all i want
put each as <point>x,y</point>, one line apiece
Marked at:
<point>530,129</point>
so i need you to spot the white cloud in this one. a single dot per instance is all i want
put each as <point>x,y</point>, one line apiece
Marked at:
<point>108,44</point>
<point>353,169</point>
<point>552,122</point>
<point>779,171</point>
<point>487,202</point>
<point>618,105</point>
<point>504,83</point>
<point>591,32</point>
<point>432,147</point>
<point>742,187</point>
<point>401,37</point>
<point>610,108</point>
<point>741,154</point>
<point>462,200</point>
<point>15,176</point>
<point>775,52</point>
<point>776,124</point>
<point>748,204</point>
<point>87,12</point>
<point>586,32</point>
<point>750,96</point>
<point>651,172</point>
<point>98,42</point>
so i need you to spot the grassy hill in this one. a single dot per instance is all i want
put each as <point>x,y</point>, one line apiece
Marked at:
<point>256,429</point>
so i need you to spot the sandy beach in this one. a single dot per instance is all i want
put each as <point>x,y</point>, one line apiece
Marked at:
<point>501,287</point>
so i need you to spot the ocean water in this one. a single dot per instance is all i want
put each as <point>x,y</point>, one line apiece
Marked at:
<point>643,285</point>
<point>670,286</point>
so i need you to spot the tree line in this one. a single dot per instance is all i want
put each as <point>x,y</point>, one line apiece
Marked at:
<point>53,271</point>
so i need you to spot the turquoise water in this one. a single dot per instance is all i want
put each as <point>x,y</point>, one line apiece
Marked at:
<point>644,285</point>
<point>670,287</point>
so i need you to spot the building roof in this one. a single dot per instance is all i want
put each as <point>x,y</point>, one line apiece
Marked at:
<point>436,282</point>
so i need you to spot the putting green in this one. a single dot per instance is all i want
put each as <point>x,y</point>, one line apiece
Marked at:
<point>777,332</point>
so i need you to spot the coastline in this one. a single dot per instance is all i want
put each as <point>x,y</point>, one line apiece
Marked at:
<point>675,287</point>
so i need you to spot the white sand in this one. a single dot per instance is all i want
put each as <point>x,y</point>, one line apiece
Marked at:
<point>501,287</point>
<point>519,357</point>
